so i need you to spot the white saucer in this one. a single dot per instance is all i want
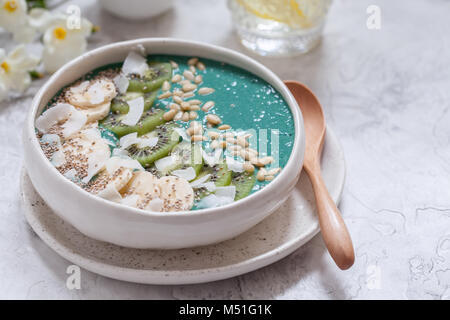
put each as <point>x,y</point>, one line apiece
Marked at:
<point>280,234</point>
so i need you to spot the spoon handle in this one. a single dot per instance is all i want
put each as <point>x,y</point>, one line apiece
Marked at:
<point>334,232</point>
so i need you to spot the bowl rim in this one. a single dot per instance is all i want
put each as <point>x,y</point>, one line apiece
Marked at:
<point>299,136</point>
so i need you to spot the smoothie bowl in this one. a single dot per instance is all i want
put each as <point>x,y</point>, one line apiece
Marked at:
<point>163,143</point>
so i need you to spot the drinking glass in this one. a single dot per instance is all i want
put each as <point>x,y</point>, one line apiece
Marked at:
<point>279,27</point>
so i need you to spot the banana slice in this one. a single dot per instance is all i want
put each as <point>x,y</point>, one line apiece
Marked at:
<point>92,93</point>
<point>143,192</point>
<point>146,191</point>
<point>176,193</point>
<point>97,113</point>
<point>118,172</point>
<point>86,152</point>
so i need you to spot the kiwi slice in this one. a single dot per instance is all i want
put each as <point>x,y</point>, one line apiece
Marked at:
<point>153,78</point>
<point>120,103</point>
<point>168,138</point>
<point>150,120</point>
<point>244,183</point>
<point>220,175</point>
<point>185,155</point>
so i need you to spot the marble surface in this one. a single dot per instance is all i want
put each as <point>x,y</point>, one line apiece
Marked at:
<point>385,93</point>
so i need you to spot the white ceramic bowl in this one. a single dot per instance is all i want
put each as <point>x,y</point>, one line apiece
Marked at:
<point>136,9</point>
<point>126,226</point>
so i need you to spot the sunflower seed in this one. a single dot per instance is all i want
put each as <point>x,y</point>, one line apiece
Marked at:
<point>213,119</point>
<point>189,87</point>
<point>174,64</point>
<point>193,115</point>
<point>175,106</point>
<point>195,107</point>
<point>194,101</point>
<point>165,95</point>
<point>213,134</point>
<point>185,106</point>
<point>205,90</point>
<point>178,116</point>
<point>188,75</point>
<point>177,92</point>
<point>169,114</point>
<point>242,142</point>
<point>188,94</point>
<point>248,167</point>
<point>192,61</point>
<point>273,171</point>
<point>208,105</point>
<point>176,78</point>
<point>266,160</point>
<point>177,99</point>
<point>260,175</point>
<point>185,117</point>
<point>200,66</point>
<point>198,79</point>
<point>192,69</point>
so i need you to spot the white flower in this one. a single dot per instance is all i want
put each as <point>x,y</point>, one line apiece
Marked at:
<point>14,70</point>
<point>62,44</point>
<point>13,18</point>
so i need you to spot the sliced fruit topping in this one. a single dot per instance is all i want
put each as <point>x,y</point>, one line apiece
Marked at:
<point>244,183</point>
<point>167,140</point>
<point>143,192</point>
<point>183,156</point>
<point>146,191</point>
<point>62,119</point>
<point>92,93</point>
<point>120,103</point>
<point>152,78</point>
<point>86,152</point>
<point>176,193</point>
<point>149,120</point>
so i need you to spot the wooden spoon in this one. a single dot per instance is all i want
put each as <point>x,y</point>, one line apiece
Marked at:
<point>334,232</point>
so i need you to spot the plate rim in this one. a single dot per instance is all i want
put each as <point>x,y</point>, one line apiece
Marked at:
<point>180,277</point>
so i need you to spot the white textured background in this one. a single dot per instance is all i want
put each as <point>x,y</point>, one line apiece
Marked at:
<point>386,93</point>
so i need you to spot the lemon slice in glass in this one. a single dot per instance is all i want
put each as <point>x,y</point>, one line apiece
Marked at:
<point>288,12</point>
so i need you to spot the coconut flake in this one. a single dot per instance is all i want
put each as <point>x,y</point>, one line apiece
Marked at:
<point>212,159</point>
<point>213,201</point>
<point>135,64</point>
<point>182,133</point>
<point>110,193</point>
<point>75,119</point>
<point>164,163</point>
<point>92,133</point>
<point>210,186</point>
<point>117,152</point>
<point>121,83</point>
<point>58,157</point>
<point>234,165</point>
<point>130,200</point>
<point>74,123</point>
<point>197,183</point>
<point>136,108</point>
<point>227,192</point>
<point>148,142</point>
<point>71,174</point>
<point>128,140</point>
<point>187,174</point>
<point>115,163</point>
<point>155,205</point>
